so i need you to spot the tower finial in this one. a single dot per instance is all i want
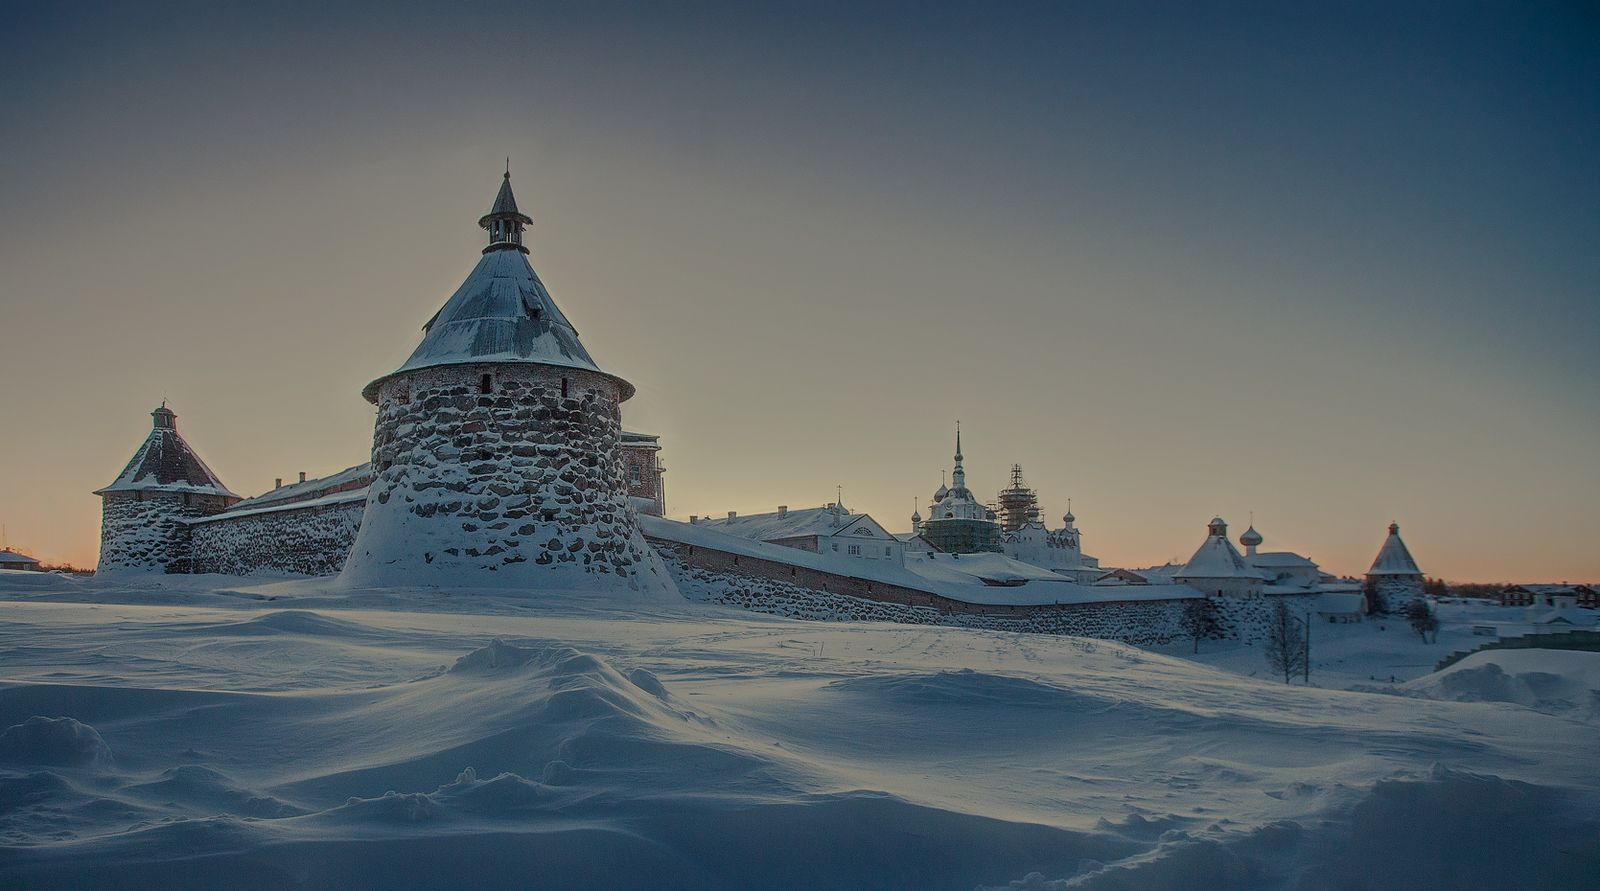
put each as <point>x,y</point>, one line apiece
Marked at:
<point>503,220</point>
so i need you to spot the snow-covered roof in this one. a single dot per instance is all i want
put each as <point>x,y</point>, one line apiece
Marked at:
<point>1393,558</point>
<point>501,313</point>
<point>14,557</point>
<point>1568,616</point>
<point>1218,559</point>
<point>1277,559</point>
<point>1042,587</point>
<point>166,463</point>
<point>1335,603</point>
<point>819,521</point>
<point>255,509</point>
<point>1559,590</point>
<point>345,480</point>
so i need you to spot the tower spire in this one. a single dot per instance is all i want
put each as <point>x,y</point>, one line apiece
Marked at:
<point>958,477</point>
<point>503,221</point>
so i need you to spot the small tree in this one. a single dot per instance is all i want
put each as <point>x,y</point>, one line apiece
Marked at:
<point>1422,620</point>
<point>1287,649</point>
<point>1435,588</point>
<point>1200,619</point>
<point>1377,604</point>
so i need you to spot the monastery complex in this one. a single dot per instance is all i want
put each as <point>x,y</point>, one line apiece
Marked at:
<point>499,460</point>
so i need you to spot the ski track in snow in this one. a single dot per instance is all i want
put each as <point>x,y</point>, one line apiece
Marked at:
<point>204,732</point>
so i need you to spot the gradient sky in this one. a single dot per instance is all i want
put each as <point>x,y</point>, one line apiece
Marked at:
<point>1334,266</point>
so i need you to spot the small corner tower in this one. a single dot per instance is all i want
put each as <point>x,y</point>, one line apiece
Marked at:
<point>1394,576</point>
<point>495,453</point>
<point>142,511</point>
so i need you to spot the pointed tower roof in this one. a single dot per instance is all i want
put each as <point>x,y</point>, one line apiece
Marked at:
<point>1217,558</point>
<point>505,203</point>
<point>1393,558</point>
<point>502,312</point>
<point>166,463</point>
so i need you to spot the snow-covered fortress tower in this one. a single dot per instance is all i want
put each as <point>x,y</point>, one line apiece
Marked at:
<point>142,515</point>
<point>495,452</point>
<point>1394,576</point>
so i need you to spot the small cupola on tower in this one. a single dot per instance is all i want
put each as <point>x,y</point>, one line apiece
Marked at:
<point>1218,528</point>
<point>503,221</point>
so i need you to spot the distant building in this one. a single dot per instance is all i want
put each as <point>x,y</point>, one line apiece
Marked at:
<point>1217,569</point>
<point>1553,596</point>
<point>830,531</point>
<point>14,560</point>
<point>1394,576</point>
<point>957,522</point>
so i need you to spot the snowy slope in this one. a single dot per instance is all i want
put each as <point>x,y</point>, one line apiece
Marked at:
<point>184,733</point>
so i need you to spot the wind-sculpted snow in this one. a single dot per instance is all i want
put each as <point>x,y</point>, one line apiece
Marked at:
<point>41,740</point>
<point>291,743</point>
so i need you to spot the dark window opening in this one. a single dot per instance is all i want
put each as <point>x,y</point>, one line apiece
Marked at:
<point>563,388</point>
<point>485,385</point>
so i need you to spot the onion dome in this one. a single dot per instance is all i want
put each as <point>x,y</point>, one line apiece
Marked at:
<point>1251,538</point>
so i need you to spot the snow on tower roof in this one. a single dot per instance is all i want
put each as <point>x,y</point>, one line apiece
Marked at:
<point>166,463</point>
<point>501,313</point>
<point>1217,559</point>
<point>1393,558</point>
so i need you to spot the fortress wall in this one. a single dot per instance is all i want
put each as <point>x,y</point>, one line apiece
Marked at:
<point>146,532</point>
<point>298,539</point>
<point>768,586</point>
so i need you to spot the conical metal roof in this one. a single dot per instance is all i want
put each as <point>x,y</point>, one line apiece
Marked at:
<point>1216,558</point>
<point>1393,558</point>
<point>501,313</point>
<point>166,463</point>
<point>505,202</point>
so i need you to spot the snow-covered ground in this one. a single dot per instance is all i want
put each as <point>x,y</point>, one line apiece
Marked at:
<point>210,732</point>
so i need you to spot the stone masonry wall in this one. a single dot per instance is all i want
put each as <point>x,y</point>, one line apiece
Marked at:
<point>313,541</point>
<point>512,482</point>
<point>1141,623</point>
<point>1396,591</point>
<point>145,532</point>
<point>754,585</point>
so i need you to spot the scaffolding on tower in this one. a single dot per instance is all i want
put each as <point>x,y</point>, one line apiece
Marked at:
<point>1019,505</point>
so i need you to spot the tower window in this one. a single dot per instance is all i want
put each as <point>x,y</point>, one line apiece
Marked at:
<point>485,384</point>
<point>563,388</point>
